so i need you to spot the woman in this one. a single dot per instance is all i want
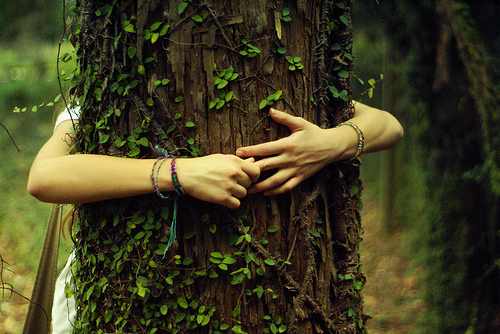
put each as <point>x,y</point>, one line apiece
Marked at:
<point>59,177</point>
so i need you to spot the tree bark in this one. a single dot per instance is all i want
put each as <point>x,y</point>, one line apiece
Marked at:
<point>289,262</point>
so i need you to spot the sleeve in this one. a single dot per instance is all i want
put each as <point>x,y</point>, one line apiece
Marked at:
<point>66,115</point>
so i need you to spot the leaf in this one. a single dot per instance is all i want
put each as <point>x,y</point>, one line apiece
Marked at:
<point>182,302</point>
<point>286,12</point>
<point>190,125</point>
<point>269,262</point>
<point>222,84</point>
<point>164,29</point>
<point>343,19</point>
<point>220,104</point>
<point>236,311</point>
<point>213,103</point>
<point>154,37</point>
<point>141,70</point>
<point>104,138</point>
<point>197,18</point>
<point>155,26</point>
<point>263,104</point>
<point>179,317</point>
<point>370,93</point>
<point>129,28</point>
<point>272,228</point>
<point>351,312</point>
<point>343,74</point>
<point>315,233</point>
<point>229,96</point>
<point>182,7</point>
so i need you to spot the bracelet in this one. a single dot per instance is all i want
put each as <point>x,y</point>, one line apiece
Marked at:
<point>163,155</point>
<point>175,179</point>
<point>154,179</point>
<point>361,138</point>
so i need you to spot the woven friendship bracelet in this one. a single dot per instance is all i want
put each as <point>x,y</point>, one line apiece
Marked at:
<point>175,179</point>
<point>361,138</point>
<point>162,155</point>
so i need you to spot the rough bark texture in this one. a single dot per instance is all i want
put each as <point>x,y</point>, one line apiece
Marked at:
<point>306,278</point>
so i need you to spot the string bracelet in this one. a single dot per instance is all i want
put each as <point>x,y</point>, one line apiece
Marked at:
<point>361,138</point>
<point>162,155</point>
<point>155,180</point>
<point>175,179</point>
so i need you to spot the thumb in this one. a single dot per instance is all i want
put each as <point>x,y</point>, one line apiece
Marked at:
<point>291,122</point>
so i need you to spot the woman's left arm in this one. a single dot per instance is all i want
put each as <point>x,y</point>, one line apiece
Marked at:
<point>309,148</point>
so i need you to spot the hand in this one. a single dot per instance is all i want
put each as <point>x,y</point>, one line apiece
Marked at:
<point>296,157</point>
<point>217,178</point>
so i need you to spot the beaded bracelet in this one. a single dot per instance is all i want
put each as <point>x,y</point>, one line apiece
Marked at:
<point>361,138</point>
<point>175,179</point>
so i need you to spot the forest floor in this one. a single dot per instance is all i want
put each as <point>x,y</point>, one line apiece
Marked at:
<point>392,294</point>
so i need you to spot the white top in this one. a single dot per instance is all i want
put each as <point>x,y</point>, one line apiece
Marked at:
<point>63,308</point>
<point>66,115</point>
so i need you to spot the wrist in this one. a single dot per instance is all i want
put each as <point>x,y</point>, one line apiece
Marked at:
<point>349,141</point>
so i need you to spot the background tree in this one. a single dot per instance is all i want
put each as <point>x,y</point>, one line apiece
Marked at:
<point>450,77</point>
<point>197,78</point>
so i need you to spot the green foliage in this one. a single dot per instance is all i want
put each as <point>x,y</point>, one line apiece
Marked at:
<point>294,63</point>
<point>270,100</point>
<point>249,50</point>
<point>220,82</point>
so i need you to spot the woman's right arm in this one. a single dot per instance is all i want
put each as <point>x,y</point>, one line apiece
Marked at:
<point>59,177</point>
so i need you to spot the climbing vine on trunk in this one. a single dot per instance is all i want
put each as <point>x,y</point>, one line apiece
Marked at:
<point>195,78</point>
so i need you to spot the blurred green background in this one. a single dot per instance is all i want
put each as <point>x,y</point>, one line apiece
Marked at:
<point>431,212</point>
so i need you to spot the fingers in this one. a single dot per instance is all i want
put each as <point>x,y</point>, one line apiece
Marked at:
<point>281,182</point>
<point>251,170</point>
<point>261,150</point>
<point>274,147</point>
<point>291,122</point>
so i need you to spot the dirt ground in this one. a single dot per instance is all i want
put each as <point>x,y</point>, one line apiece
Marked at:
<point>392,294</point>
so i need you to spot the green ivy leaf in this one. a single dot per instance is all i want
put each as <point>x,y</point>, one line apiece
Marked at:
<point>315,233</point>
<point>155,26</point>
<point>129,28</point>
<point>220,104</point>
<point>182,7</point>
<point>182,302</point>
<point>263,104</point>
<point>154,37</point>
<point>229,96</point>
<point>141,69</point>
<point>197,18</point>
<point>272,229</point>
<point>190,125</point>
<point>164,30</point>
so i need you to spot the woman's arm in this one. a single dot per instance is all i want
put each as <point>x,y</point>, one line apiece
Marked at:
<point>59,177</point>
<point>309,148</point>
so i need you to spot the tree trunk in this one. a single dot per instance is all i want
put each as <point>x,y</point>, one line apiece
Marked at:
<point>198,78</point>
